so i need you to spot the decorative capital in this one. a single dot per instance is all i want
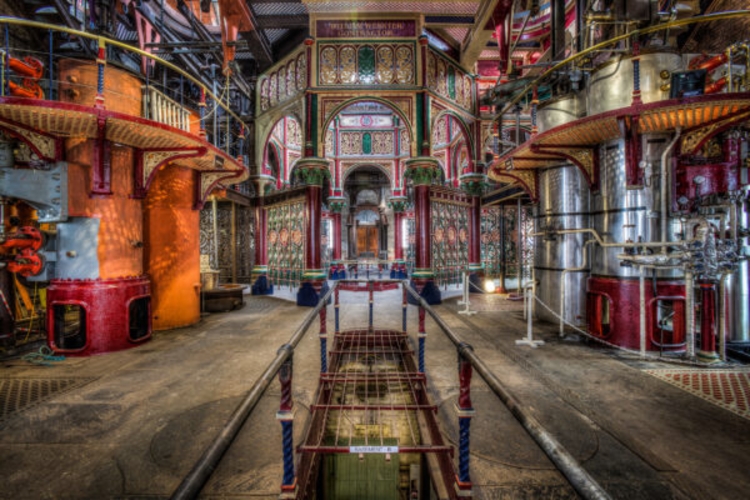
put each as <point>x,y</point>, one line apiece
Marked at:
<point>473,184</point>
<point>399,204</point>
<point>422,170</point>
<point>313,171</point>
<point>336,204</point>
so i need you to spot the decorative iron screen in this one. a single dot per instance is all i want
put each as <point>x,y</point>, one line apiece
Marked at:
<point>242,236</point>
<point>285,242</point>
<point>449,214</point>
<point>491,251</point>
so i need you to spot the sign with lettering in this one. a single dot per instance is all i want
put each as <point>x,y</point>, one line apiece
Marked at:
<point>373,449</point>
<point>365,29</point>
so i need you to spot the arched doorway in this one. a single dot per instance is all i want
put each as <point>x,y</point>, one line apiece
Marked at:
<point>368,189</point>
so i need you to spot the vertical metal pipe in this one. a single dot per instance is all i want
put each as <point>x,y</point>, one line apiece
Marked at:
<point>50,62</point>
<point>215,227</point>
<point>422,335</point>
<point>370,286</point>
<point>664,187</point>
<point>336,309</point>
<point>404,308</point>
<point>690,319</point>
<point>723,317</point>
<point>519,247</point>
<point>233,243</point>
<point>642,310</point>
<point>323,338</point>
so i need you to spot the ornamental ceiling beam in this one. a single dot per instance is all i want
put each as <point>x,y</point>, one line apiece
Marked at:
<point>489,14</point>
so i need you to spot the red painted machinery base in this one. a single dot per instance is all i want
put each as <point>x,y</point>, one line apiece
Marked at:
<point>96,316</point>
<point>613,312</point>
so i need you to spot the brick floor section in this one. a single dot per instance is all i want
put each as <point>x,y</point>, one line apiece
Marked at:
<point>729,389</point>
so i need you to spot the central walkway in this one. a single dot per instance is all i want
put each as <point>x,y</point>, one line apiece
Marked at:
<point>131,424</point>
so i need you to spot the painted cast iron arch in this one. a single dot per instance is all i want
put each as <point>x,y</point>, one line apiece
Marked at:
<point>409,127</point>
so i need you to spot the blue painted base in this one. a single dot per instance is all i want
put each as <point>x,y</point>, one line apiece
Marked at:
<point>337,275</point>
<point>308,297</point>
<point>476,283</point>
<point>430,293</point>
<point>261,286</point>
<point>398,275</point>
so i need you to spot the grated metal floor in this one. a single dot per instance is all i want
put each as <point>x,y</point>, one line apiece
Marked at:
<point>17,394</point>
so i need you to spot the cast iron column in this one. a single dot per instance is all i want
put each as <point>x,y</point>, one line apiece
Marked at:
<point>473,185</point>
<point>285,415</point>
<point>312,172</point>
<point>398,204</point>
<point>336,205</point>
<point>422,171</point>
<point>259,276</point>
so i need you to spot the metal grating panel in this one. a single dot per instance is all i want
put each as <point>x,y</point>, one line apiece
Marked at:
<point>279,9</point>
<point>431,7</point>
<point>17,394</point>
<point>275,34</point>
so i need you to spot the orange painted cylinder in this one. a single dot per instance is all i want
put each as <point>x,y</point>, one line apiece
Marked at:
<point>173,248</point>
<point>120,244</point>
<point>78,82</point>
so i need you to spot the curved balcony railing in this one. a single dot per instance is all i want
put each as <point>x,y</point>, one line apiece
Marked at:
<point>159,90</point>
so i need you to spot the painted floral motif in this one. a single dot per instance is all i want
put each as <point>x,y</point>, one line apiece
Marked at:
<point>467,92</point>
<point>282,83</point>
<point>431,71</point>
<point>405,144</point>
<point>463,235</point>
<point>273,97</point>
<point>384,71</point>
<point>404,65</point>
<point>273,237</point>
<point>301,72</point>
<point>296,236</point>
<point>348,65</point>
<point>439,235</point>
<point>452,235</point>
<point>264,101</point>
<point>284,237</point>
<point>328,66</point>
<point>290,77</point>
<point>382,143</point>
<point>442,78</point>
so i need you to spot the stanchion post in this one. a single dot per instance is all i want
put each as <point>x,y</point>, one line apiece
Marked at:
<point>404,307</point>
<point>529,340</point>
<point>323,340</point>
<point>466,301</point>
<point>422,336</point>
<point>336,308</point>
<point>465,413</point>
<point>285,415</point>
<point>370,287</point>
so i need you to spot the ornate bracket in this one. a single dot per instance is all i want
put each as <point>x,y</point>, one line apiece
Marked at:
<point>312,171</point>
<point>422,170</point>
<point>148,162</point>
<point>207,180</point>
<point>528,179</point>
<point>694,139</point>
<point>399,204</point>
<point>336,204</point>
<point>473,184</point>
<point>45,146</point>
<point>584,157</point>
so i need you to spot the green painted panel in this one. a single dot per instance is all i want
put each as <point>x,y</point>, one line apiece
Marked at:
<point>452,82</point>
<point>366,59</point>
<point>367,143</point>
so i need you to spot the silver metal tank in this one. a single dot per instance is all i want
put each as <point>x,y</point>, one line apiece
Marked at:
<point>611,84</point>
<point>624,215</point>
<point>738,284</point>
<point>563,204</point>
<point>559,111</point>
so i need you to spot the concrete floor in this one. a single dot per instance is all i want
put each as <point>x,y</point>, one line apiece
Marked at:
<point>130,425</point>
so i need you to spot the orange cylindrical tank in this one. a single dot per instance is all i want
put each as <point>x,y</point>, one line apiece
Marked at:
<point>120,245</point>
<point>172,250</point>
<point>78,84</point>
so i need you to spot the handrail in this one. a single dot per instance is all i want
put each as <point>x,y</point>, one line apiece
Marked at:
<point>102,39</point>
<point>191,486</point>
<point>577,476</point>
<point>717,16</point>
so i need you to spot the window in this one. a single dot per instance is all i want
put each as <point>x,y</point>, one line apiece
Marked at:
<point>69,327</point>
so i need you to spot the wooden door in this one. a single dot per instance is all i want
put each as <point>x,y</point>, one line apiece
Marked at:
<point>367,241</point>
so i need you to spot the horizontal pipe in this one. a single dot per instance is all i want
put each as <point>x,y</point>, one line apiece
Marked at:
<point>207,463</point>
<point>576,475</point>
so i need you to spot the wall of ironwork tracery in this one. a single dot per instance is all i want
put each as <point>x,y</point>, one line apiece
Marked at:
<point>449,234</point>
<point>236,241</point>
<point>285,241</point>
